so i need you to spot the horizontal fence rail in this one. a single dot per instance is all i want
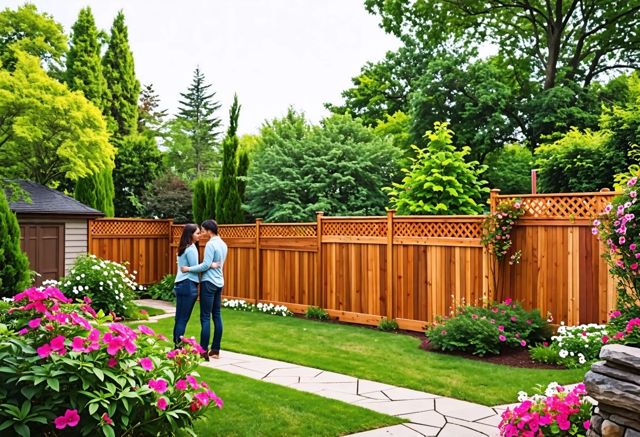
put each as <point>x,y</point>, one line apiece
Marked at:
<point>409,268</point>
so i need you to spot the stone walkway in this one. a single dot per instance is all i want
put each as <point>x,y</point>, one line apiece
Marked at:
<point>428,414</point>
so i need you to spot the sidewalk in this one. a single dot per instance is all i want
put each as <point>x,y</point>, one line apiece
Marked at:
<point>428,414</point>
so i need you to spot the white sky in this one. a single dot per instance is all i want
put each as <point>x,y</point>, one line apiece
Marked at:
<point>273,53</point>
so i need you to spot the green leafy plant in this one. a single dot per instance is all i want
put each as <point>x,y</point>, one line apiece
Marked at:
<point>109,284</point>
<point>316,313</point>
<point>14,265</point>
<point>67,370</point>
<point>572,346</point>
<point>387,324</point>
<point>440,181</point>
<point>488,330</point>
<point>163,290</point>
<point>497,230</point>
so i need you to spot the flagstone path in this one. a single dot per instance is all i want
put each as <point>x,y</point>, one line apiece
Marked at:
<point>428,414</point>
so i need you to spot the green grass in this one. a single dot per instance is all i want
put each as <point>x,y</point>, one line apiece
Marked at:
<point>254,407</point>
<point>151,311</point>
<point>380,356</point>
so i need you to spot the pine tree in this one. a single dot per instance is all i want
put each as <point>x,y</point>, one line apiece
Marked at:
<point>84,73</point>
<point>228,203</point>
<point>210,193</point>
<point>14,264</point>
<point>123,89</point>
<point>243,168</point>
<point>198,202</point>
<point>197,119</point>
<point>150,118</point>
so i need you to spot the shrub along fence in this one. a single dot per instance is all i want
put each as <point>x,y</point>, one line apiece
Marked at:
<point>409,268</point>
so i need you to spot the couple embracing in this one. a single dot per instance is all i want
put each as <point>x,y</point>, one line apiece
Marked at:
<point>211,284</point>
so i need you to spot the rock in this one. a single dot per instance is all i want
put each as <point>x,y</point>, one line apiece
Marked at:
<point>620,354</point>
<point>610,429</point>
<point>592,433</point>
<point>609,411</point>
<point>611,391</point>
<point>631,433</point>
<point>623,374</point>
<point>630,423</point>
<point>596,422</point>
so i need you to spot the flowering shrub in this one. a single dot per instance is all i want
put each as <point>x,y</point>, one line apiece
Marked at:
<point>268,308</point>
<point>483,330</point>
<point>573,346</point>
<point>624,327</point>
<point>108,284</point>
<point>559,411</point>
<point>67,370</point>
<point>497,229</point>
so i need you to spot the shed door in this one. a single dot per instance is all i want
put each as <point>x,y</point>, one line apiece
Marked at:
<point>44,245</point>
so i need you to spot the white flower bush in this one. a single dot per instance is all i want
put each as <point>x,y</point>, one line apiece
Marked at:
<point>109,284</point>
<point>268,308</point>
<point>573,346</point>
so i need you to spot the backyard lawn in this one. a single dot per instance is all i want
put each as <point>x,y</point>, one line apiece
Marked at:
<point>366,353</point>
<point>259,408</point>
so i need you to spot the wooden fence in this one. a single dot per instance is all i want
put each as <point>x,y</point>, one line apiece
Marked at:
<point>407,268</point>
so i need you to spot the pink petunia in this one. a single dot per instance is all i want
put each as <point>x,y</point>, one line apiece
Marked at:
<point>146,330</point>
<point>523,343</point>
<point>158,385</point>
<point>501,328</point>
<point>181,385</point>
<point>502,338</point>
<point>514,318</point>
<point>508,301</point>
<point>162,403</point>
<point>44,351</point>
<point>605,339</point>
<point>23,331</point>
<point>33,324</point>
<point>70,419</point>
<point>146,363</point>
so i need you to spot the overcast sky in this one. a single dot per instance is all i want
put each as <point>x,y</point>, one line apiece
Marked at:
<point>273,53</point>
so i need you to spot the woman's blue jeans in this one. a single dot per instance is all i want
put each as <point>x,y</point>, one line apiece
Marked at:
<point>210,301</point>
<point>186,292</point>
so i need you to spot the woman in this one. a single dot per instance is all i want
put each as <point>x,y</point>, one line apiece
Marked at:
<point>186,284</point>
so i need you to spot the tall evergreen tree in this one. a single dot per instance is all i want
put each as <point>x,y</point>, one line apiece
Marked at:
<point>14,264</point>
<point>210,194</point>
<point>243,168</point>
<point>84,73</point>
<point>123,89</point>
<point>197,121</point>
<point>150,117</point>
<point>228,203</point>
<point>198,201</point>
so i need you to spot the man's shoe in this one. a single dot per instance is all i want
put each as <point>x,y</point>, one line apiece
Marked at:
<point>214,354</point>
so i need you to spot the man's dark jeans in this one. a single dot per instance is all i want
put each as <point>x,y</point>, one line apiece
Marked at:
<point>210,301</point>
<point>186,292</point>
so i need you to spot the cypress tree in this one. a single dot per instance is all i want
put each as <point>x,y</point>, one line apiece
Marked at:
<point>123,89</point>
<point>210,193</point>
<point>198,202</point>
<point>243,168</point>
<point>84,73</point>
<point>228,203</point>
<point>14,265</point>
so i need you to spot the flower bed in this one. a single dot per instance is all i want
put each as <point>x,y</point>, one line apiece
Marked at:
<point>267,308</point>
<point>559,411</point>
<point>67,370</point>
<point>488,330</point>
<point>573,346</point>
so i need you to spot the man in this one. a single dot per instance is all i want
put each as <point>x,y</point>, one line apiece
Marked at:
<point>211,285</point>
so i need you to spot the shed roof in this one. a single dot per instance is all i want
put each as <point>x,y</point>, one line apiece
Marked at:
<point>45,200</point>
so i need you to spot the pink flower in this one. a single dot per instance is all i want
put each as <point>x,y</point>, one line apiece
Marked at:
<point>23,331</point>
<point>618,335</point>
<point>607,208</point>
<point>502,338</point>
<point>523,343</point>
<point>215,398</point>
<point>33,324</point>
<point>44,351</point>
<point>517,205</point>
<point>615,314</point>
<point>634,266</point>
<point>529,322</point>
<point>605,339</point>
<point>193,382</point>
<point>545,344</point>
<point>494,309</point>
<point>162,403</point>
<point>587,424</point>
<point>70,419</point>
<point>632,246</point>
<point>112,362</point>
<point>203,398</point>
<point>77,344</point>
<point>594,231</point>
<point>619,263</point>
<point>632,181</point>
<point>106,419</point>
<point>158,385</point>
<point>181,385</point>
<point>474,316</point>
<point>622,240</point>
<point>514,318</point>
<point>501,328</point>
<point>146,330</point>
<point>146,363</point>
<point>508,301</point>
<point>633,194</point>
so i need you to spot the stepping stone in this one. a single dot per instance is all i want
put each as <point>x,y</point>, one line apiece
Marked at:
<point>462,409</point>
<point>428,431</point>
<point>492,421</point>
<point>484,429</point>
<point>396,431</point>
<point>366,386</point>
<point>453,430</point>
<point>403,394</point>
<point>329,377</point>
<point>231,368</point>
<point>375,395</point>
<point>296,371</point>
<point>282,380</point>
<point>430,418</point>
<point>396,408</point>
<point>340,396</point>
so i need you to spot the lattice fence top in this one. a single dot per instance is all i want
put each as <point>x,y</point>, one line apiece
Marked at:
<point>355,228</point>
<point>133,228</point>
<point>576,206</point>
<point>237,231</point>
<point>289,230</point>
<point>439,229</point>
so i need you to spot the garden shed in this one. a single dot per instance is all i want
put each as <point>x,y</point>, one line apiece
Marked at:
<point>53,229</point>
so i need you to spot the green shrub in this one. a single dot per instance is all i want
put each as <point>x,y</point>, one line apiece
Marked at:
<point>74,373</point>
<point>572,346</point>
<point>387,325</point>
<point>489,330</point>
<point>107,283</point>
<point>316,313</point>
<point>543,353</point>
<point>163,290</point>
<point>14,265</point>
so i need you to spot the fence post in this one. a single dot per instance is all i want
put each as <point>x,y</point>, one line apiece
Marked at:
<point>258,291</point>
<point>390,310</point>
<point>320,301</point>
<point>489,264</point>
<point>493,199</point>
<point>169,242</point>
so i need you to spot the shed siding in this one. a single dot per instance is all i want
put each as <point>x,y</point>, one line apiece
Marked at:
<point>75,241</point>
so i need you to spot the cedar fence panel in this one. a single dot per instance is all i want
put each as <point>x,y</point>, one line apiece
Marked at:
<point>412,269</point>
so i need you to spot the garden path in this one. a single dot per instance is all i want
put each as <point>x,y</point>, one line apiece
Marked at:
<point>428,414</point>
